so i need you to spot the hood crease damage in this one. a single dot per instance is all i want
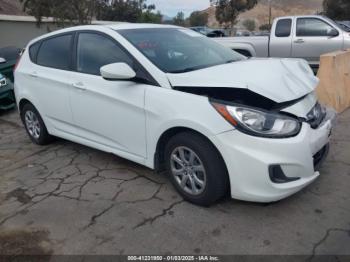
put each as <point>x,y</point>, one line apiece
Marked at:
<point>270,84</point>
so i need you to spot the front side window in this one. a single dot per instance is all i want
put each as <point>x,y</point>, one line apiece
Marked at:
<point>283,28</point>
<point>176,50</point>
<point>312,27</point>
<point>56,52</point>
<point>95,51</point>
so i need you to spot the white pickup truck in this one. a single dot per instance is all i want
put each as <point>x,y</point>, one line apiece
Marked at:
<point>305,37</point>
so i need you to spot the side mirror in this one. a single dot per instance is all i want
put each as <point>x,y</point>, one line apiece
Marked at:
<point>117,71</point>
<point>333,33</point>
<point>2,60</point>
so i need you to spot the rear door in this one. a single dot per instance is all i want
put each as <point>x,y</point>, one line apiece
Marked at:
<point>48,78</point>
<point>109,114</point>
<point>312,38</point>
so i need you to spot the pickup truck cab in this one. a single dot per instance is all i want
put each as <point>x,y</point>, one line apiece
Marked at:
<point>306,37</point>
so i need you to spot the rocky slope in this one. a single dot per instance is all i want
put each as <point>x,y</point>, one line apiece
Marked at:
<point>260,13</point>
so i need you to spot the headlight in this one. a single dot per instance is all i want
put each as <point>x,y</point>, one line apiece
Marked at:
<point>3,82</point>
<point>259,123</point>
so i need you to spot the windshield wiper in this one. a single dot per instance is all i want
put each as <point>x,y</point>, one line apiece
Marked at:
<point>230,61</point>
<point>189,69</point>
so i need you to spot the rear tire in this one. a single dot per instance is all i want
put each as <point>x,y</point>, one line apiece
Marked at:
<point>35,126</point>
<point>196,169</point>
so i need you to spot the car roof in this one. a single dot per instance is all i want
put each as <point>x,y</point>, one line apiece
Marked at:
<point>122,26</point>
<point>113,26</point>
<point>301,16</point>
<point>311,16</point>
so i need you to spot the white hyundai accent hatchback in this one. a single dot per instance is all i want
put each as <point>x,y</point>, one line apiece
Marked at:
<point>171,99</point>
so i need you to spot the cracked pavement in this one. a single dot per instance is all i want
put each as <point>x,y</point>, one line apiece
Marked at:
<point>76,200</point>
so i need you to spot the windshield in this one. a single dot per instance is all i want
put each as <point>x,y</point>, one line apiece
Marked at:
<point>345,27</point>
<point>177,50</point>
<point>336,24</point>
<point>9,53</point>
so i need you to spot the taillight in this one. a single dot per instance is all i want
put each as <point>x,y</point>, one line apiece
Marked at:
<point>17,62</point>
<point>18,59</point>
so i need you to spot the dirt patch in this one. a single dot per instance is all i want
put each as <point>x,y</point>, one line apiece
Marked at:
<point>20,195</point>
<point>19,243</point>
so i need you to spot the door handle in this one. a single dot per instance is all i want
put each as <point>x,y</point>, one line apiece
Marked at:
<point>34,74</point>
<point>299,41</point>
<point>79,86</point>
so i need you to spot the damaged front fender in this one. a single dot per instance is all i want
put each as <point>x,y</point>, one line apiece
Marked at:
<point>251,99</point>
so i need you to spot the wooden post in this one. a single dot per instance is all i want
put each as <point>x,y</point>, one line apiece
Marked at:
<point>334,74</point>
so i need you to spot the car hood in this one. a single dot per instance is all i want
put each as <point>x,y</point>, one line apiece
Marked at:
<point>280,80</point>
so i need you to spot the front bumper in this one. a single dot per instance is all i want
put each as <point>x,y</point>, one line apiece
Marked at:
<point>7,97</point>
<point>249,160</point>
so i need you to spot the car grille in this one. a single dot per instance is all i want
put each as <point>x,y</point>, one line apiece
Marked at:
<point>3,82</point>
<point>316,116</point>
<point>320,157</point>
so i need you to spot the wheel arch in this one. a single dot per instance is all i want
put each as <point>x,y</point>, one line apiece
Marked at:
<point>167,135</point>
<point>244,52</point>
<point>243,47</point>
<point>22,103</point>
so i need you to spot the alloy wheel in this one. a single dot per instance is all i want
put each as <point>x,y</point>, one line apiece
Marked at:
<point>32,124</point>
<point>188,170</point>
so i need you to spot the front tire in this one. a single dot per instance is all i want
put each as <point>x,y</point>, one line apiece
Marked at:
<point>34,125</point>
<point>196,169</point>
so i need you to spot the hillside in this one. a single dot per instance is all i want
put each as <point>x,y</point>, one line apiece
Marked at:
<point>260,13</point>
<point>11,7</point>
<point>286,4</point>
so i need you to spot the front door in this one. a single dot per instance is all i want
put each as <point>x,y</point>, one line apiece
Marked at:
<point>312,39</point>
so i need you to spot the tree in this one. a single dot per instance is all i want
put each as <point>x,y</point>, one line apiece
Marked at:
<point>179,19</point>
<point>124,11</point>
<point>249,24</point>
<point>37,8</point>
<point>265,27</point>
<point>130,11</point>
<point>198,18</point>
<point>63,11</point>
<point>337,9</point>
<point>227,11</point>
<point>76,12</point>
<point>150,17</point>
<point>79,12</point>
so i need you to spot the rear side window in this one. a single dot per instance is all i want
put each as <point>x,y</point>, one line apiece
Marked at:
<point>95,51</point>
<point>284,28</point>
<point>56,52</point>
<point>33,51</point>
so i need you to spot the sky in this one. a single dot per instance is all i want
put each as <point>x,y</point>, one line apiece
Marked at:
<point>172,7</point>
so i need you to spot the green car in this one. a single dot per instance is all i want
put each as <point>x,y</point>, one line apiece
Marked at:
<point>7,97</point>
<point>8,58</point>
